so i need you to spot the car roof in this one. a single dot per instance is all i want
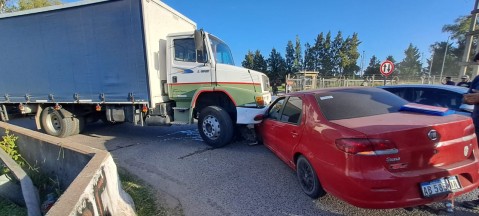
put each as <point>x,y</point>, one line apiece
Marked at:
<point>458,89</point>
<point>321,90</point>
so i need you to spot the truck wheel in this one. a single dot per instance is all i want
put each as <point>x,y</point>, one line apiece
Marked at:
<point>78,124</point>
<point>215,126</point>
<point>55,123</point>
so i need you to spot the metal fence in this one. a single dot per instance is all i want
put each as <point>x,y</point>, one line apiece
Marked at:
<point>299,83</point>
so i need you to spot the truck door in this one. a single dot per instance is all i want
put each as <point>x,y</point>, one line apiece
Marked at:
<point>188,73</point>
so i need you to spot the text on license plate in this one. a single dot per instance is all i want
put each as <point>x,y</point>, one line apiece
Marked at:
<point>440,186</point>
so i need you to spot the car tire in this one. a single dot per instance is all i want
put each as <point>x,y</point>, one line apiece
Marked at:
<point>215,126</point>
<point>308,179</point>
<point>56,122</point>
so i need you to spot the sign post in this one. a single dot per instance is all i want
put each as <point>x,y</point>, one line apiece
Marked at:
<point>386,68</point>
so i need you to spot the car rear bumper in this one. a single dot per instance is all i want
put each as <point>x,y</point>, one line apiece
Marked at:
<point>398,190</point>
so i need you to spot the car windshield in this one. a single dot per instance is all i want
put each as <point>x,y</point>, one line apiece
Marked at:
<point>221,51</point>
<point>354,103</point>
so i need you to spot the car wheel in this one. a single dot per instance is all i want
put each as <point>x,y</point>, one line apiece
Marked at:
<point>215,126</point>
<point>308,179</point>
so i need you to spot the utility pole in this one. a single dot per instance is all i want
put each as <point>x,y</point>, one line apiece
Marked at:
<point>469,39</point>
<point>432,61</point>
<point>362,64</point>
<point>444,58</point>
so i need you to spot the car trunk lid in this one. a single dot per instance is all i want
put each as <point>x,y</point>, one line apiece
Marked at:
<point>422,141</point>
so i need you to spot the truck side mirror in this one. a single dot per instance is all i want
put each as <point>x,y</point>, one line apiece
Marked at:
<point>199,40</point>
<point>200,46</point>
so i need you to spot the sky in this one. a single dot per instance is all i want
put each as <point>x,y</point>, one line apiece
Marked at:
<point>384,27</point>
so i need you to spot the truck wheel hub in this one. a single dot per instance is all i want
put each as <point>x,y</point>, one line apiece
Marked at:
<point>55,123</point>
<point>211,127</point>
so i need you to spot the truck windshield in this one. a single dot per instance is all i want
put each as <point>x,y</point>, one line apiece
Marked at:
<point>221,51</point>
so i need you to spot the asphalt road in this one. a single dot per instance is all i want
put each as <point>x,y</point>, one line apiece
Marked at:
<point>235,180</point>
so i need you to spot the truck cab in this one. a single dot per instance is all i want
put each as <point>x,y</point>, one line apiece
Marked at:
<point>202,75</point>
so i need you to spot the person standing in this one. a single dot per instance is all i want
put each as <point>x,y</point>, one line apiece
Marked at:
<point>464,82</point>
<point>474,87</point>
<point>449,81</point>
<point>275,88</point>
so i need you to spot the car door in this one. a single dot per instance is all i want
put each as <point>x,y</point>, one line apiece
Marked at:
<point>282,129</point>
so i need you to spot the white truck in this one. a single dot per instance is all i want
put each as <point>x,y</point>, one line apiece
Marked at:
<point>137,61</point>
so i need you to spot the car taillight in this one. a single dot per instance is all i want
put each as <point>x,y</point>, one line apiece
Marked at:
<point>366,146</point>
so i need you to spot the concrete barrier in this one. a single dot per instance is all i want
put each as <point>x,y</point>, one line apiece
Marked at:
<point>87,176</point>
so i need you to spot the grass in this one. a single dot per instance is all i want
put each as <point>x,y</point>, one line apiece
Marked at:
<point>142,194</point>
<point>8,208</point>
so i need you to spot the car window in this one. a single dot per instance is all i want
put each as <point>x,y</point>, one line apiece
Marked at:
<point>355,103</point>
<point>405,93</point>
<point>451,100</point>
<point>292,110</point>
<point>427,96</point>
<point>275,109</point>
<point>401,92</point>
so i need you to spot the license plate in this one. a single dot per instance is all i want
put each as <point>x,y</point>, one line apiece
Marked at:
<point>440,186</point>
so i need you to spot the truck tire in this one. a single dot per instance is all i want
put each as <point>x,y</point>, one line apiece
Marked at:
<point>215,126</point>
<point>56,123</point>
<point>78,124</point>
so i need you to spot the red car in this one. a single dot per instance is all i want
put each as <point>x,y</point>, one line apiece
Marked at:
<point>363,146</point>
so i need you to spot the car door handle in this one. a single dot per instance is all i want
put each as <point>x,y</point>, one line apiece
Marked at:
<point>294,134</point>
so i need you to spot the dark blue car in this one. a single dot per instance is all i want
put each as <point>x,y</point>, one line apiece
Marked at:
<point>435,95</point>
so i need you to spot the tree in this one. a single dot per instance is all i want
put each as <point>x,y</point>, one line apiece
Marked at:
<point>30,4</point>
<point>335,50</point>
<point>458,32</point>
<point>19,5</point>
<point>373,67</point>
<point>7,6</point>
<point>276,66</point>
<point>259,64</point>
<point>451,65</point>
<point>248,60</point>
<point>318,53</point>
<point>289,57</point>
<point>349,56</point>
<point>391,59</point>
<point>298,57</point>
<point>2,5</point>
<point>309,58</point>
<point>325,57</point>
<point>411,64</point>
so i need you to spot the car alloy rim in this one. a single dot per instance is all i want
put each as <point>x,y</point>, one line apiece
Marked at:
<point>306,175</point>
<point>211,127</point>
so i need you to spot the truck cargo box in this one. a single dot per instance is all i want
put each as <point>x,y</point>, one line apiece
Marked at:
<point>88,51</point>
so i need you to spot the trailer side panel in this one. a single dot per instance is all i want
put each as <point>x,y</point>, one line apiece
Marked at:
<point>74,54</point>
